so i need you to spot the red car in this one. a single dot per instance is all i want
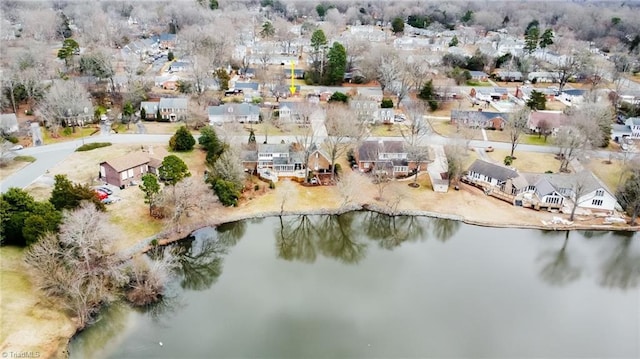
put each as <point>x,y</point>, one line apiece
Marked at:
<point>101,195</point>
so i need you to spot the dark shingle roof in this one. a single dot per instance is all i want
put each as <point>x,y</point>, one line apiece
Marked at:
<point>492,170</point>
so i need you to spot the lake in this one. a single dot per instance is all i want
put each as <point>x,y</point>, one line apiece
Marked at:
<point>365,285</point>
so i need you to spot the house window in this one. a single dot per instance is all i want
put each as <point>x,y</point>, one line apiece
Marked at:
<point>123,175</point>
<point>600,193</point>
<point>130,173</point>
<point>596,202</point>
<point>366,165</point>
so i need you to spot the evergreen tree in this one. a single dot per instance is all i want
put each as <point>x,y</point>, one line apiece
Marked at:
<point>143,113</point>
<point>213,4</point>
<point>69,195</point>
<point>467,17</point>
<point>397,25</point>
<point>531,40</point>
<point>151,189</point>
<point>336,64</point>
<point>23,220</point>
<point>428,94</point>
<point>211,143</point>
<point>267,30</point>
<point>182,140</point>
<point>537,101</point>
<point>252,138</point>
<point>173,170</point>
<point>158,115</point>
<point>546,39</point>
<point>454,41</point>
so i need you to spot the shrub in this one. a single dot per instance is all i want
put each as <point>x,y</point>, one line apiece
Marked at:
<point>548,171</point>
<point>508,160</point>
<point>67,131</point>
<point>337,169</point>
<point>92,146</point>
<point>386,103</point>
<point>154,242</point>
<point>24,158</point>
<point>226,192</point>
<point>339,97</point>
<point>182,140</point>
<point>12,139</point>
<point>272,185</point>
<point>256,187</point>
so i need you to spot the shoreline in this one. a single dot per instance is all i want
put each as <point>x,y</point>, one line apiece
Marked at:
<point>168,238</point>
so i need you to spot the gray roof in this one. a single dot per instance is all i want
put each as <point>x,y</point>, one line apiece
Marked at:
<point>369,150</point>
<point>478,73</point>
<point>492,170</point>
<point>621,129</point>
<point>273,148</point>
<point>174,102</point>
<point>149,107</point>
<point>569,180</point>
<point>633,121</point>
<point>249,156</point>
<point>240,109</point>
<point>8,120</point>
<point>486,115</point>
<point>247,85</point>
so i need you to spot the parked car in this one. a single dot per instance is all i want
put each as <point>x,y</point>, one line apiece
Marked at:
<point>489,149</point>
<point>105,189</point>
<point>17,147</point>
<point>101,195</point>
<point>107,200</point>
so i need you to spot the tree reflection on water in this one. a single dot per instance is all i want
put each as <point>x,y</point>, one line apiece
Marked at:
<point>622,268</point>
<point>200,260</point>
<point>558,269</point>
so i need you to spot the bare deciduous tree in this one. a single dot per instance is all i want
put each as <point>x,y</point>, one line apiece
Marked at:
<point>349,186</point>
<point>456,155</point>
<point>191,195</point>
<point>516,126</point>
<point>307,137</point>
<point>414,135</point>
<point>343,132</point>
<point>66,101</point>
<point>79,263</point>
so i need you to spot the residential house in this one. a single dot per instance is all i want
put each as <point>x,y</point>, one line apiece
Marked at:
<point>247,73</point>
<point>234,112</point>
<point>633,123</point>
<point>490,175</point>
<point>168,41</point>
<point>126,170</point>
<point>479,76</point>
<point>297,73</point>
<point>370,111</point>
<point>169,82</point>
<point>524,93</point>
<point>8,123</point>
<point>179,66</point>
<point>543,76</point>
<point>594,195</point>
<point>480,119</point>
<point>620,132</point>
<point>492,94</point>
<point>573,96</point>
<point>508,76</point>
<point>174,108</point>
<point>171,109</point>
<point>390,157</point>
<point>544,191</point>
<point>274,161</point>
<point>250,88</point>
<point>549,121</point>
<point>297,111</point>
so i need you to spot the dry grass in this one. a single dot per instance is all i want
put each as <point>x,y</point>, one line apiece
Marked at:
<point>48,138</point>
<point>159,128</point>
<point>555,106</point>
<point>528,161</point>
<point>30,321</point>
<point>388,130</point>
<point>610,174</point>
<point>12,167</point>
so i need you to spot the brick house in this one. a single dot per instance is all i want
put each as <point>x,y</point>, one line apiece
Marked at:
<point>128,169</point>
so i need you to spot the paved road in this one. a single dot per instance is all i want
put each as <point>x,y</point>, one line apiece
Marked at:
<point>50,155</point>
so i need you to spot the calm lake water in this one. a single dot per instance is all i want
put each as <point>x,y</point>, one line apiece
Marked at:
<point>364,285</point>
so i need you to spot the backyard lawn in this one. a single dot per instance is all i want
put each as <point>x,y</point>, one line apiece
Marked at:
<point>528,161</point>
<point>608,173</point>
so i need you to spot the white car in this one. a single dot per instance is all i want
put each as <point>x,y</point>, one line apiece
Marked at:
<point>17,147</point>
